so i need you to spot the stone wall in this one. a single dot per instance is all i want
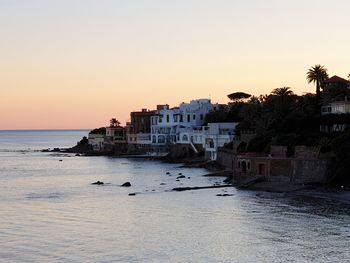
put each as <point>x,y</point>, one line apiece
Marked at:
<point>225,158</point>
<point>294,170</point>
<point>309,171</point>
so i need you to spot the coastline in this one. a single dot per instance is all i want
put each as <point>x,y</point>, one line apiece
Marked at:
<point>215,169</point>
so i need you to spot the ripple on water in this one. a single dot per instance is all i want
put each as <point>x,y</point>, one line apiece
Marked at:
<point>54,195</point>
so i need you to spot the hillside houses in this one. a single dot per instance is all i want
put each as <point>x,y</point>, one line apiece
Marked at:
<point>155,131</point>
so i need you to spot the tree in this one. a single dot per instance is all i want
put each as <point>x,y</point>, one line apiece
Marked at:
<point>114,122</point>
<point>101,130</point>
<point>317,74</point>
<point>349,76</point>
<point>282,92</point>
<point>237,97</point>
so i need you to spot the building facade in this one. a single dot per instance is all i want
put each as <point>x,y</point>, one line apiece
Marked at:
<point>168,124</point>
<point>138,130</point>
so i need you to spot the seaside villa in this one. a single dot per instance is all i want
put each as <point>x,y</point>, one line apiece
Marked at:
<point>155,131</point>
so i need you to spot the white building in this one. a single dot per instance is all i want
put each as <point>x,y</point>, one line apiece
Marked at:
<point>96,141</point>
<point>217,135</point>
<point>337,107</point>
<point>167,124</point>
<point>209,137</point>
<point>115,135</point>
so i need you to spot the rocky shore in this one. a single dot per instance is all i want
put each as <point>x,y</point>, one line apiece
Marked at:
<point>216,169</point>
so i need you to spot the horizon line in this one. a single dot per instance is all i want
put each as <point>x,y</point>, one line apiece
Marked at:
<point>40,129</point>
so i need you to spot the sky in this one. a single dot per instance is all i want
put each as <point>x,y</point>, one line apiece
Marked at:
<point>71,64</point>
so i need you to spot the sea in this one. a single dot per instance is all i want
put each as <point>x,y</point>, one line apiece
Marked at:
<point>50,211</point>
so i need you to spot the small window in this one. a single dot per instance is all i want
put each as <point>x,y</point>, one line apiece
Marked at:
<point>194,116</point>
<point>181,118</point>
<point>167,118</point>
<point>188,118</point>
<point>201,117</point>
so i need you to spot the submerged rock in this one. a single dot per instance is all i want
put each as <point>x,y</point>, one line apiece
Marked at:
<point>162,183</point>
<point>98,183</point>
<point>181,176</point>
<point>167,173</point>
<point>224,195</point>
<point>126,184</point>
<point>132,194</point>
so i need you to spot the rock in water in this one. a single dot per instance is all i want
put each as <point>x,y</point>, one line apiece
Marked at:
<point>181,176</point>
<point>132,194</point>
<point>98,183</point>
<point>126,184</point>
<point>224,195</point>
<point>167,173</point>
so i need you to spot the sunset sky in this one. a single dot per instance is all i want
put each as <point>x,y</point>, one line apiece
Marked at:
<point>77,63</point>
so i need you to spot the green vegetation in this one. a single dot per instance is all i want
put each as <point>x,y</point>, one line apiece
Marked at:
<point>284,118</point>
<point>101,130</point>
<point>83,141</point>
<point>317,74</point>
<point>114,122</point>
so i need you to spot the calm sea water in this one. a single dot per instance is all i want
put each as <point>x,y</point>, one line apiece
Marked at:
<point>50,212</point>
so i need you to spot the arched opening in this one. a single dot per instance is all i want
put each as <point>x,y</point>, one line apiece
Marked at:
<point>244,166</point>
<point>185,138</point>
<point>161,139</point>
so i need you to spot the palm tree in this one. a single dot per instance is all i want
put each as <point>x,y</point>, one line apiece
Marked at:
<point>283,95</point>
<point>114,122</point>
<point>282,92</point>
<point>317,74</point>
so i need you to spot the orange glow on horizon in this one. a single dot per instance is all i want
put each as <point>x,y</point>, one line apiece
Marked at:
<point>79,65</point>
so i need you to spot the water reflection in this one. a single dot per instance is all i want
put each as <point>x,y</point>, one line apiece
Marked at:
<point>50,212</point>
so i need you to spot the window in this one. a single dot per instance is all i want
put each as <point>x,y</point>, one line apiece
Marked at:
<point>188,118</point>
<point>161,139</point>
<point>181,118</point>
<point>185,138</point>
<point>201,117</point>
<point>167,118</point>
<point>194,116</point>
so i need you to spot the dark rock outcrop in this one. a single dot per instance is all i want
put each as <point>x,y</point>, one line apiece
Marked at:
<point>126,184</point>
<point>224,195</point>
<point>98,183</point>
